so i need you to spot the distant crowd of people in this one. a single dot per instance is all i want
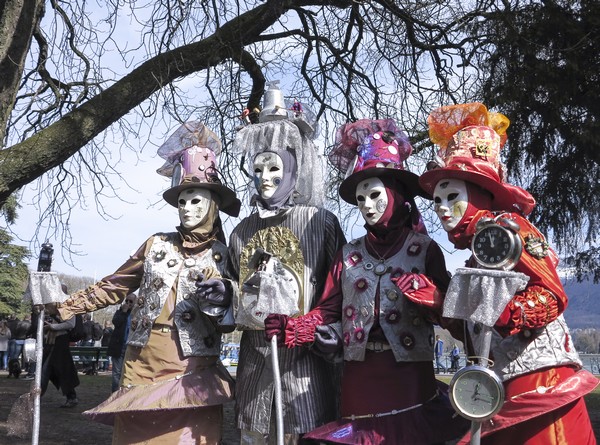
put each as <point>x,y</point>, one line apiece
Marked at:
<point>58,365</point>
<point>453,355</point>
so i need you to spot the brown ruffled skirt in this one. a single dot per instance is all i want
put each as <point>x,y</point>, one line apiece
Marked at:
<point>165,398</point>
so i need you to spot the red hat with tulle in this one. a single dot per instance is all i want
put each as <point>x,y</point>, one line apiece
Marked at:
<point>373,148</point>
<point>470,140</point>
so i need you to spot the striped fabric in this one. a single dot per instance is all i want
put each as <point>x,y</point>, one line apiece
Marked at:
<point>309,384</point>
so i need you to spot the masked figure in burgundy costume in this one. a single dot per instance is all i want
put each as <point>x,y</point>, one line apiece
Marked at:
<point>531,349</point>
<point>380,291</point>
<point>173,385</point>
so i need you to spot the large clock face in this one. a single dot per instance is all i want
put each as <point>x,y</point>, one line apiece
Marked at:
<point>496,247</point>
<point>476,393</point>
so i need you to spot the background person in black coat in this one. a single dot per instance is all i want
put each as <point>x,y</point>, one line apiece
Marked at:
<point>106,335</point>
<point>57,362</point>
<point>117,344</point>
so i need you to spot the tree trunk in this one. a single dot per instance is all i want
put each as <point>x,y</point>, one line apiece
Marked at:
<point>18,19</point>
<point>26,161</point>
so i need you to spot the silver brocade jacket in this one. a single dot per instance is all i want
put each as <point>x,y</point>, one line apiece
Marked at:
<point>530,350</point>
<point>408,333</point>
<point>164,266</point>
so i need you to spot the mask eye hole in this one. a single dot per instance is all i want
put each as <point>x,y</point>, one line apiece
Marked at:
<point>452,196</point>
<point>437,200</point>
<point>360,198</point>
<point>375,195</point>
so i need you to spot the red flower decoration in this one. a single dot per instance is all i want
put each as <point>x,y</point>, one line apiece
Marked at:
<point>407,340</point>
<point>359,335</point>
<point>355,258</point>
<point>397,273</point>
<point>392,316</point>
<point>346,338</point>
<point>414,249</point>
<point>350,312</point>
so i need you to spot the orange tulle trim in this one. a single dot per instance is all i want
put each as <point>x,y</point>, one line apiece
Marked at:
<point>446,121</point>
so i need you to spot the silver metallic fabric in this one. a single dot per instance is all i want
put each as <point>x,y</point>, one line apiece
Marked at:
<point>163,266</point>
<point>43,288</point>
<point>407,331</point>
<point>480,295</point>
<point>519,354</point>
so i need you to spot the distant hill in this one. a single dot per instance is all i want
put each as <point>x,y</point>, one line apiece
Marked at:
<point>583,310</point>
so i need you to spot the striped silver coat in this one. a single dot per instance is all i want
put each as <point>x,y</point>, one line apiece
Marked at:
<point>309,383</point>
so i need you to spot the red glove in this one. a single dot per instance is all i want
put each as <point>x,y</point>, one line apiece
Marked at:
<point>292,332</point>
<point>420,290</point>
<point>275,325</point>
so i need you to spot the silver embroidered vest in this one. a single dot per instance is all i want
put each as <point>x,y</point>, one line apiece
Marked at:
<point>531,350</point>
<point>164,266</point>
<point>408,333</point>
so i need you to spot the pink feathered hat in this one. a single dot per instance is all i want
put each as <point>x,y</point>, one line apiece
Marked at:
<point>373,148</point>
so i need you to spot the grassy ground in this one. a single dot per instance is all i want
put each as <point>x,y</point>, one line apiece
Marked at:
<point>61,426</point>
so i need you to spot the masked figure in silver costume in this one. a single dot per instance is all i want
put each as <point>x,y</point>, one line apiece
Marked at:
<point>279,255</point>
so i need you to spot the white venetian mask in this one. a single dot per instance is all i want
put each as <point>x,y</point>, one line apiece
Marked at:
<point>193,205</point>
<point>268,171</point>
<point>372,199</point>
<point>450,199</point>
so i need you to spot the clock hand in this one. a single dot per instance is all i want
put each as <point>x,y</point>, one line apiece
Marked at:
<point>492,238</point>
<point>475,392</point>
<point>487,399</point>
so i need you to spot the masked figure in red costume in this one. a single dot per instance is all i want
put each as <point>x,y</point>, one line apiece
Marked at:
<point>375,291</point>
<point>531,349</point>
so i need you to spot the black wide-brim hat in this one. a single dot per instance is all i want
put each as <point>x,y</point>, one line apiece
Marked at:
<point>409,180</point>
<point>227,200</point>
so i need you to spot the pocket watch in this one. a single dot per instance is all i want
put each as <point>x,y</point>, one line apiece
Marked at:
<point>476,393</point>
<point>496,243</point>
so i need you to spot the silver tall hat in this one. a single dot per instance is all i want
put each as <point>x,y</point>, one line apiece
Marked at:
<point>274,104</point>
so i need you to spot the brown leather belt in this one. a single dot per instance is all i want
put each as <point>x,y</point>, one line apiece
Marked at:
<point>164,327</point>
